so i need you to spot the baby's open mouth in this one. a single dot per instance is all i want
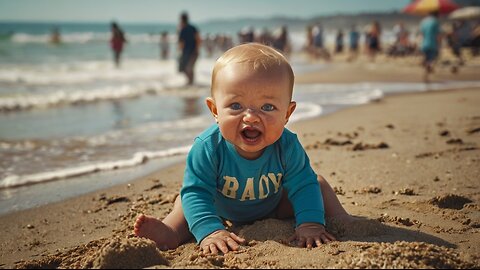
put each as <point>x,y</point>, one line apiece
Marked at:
<point>251,134</point>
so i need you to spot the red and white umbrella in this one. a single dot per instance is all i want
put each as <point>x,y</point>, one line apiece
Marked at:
<point>424,7</point>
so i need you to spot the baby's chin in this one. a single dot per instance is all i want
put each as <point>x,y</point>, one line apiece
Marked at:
<point>250,152</point>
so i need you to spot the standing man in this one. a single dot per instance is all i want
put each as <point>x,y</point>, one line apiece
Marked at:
<point>189,44</point>
<point>430,30</point>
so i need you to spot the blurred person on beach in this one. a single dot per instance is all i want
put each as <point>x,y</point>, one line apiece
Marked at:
<point>264,37</point>
<point>247,166</point>
<point>319,49</point>
<point>209,44</point>
<point>401,45</point>
<point>354,37</point>
<point>189,43</point>
<point>475,42</point>
<point>164,46</point>
<point>373,40</point>
<point>308,47</point>
<point>55,36</point>
<point>246,35</point>
<point>281,41</point>
<point>453,42</point>
<point>117,42</point>
<point>339,41</point>
<point>430,33</point>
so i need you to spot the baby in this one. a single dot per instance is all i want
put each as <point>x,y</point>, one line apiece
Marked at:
<point>248,166</point>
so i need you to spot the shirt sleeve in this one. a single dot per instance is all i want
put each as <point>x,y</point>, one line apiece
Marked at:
<point>198,191</point>
<point>302,185</point>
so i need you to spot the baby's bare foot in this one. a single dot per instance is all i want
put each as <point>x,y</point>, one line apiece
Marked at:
<point>154,229</point>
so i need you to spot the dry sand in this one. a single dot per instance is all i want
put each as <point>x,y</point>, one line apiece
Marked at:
<point>407,165</point>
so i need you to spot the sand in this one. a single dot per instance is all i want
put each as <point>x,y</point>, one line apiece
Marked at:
<point>407,166</point>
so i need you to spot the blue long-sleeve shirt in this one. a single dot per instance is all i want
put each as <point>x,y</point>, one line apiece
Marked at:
<point>219,183</point>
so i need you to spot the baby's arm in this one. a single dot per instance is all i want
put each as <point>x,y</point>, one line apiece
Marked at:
<point>308,234</point>
<point>222,240</point>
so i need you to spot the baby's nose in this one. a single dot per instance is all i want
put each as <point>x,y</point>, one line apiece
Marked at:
<point>251,116</point>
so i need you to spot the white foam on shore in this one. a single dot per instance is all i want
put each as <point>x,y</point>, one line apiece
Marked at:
<point>24,102</point>
<point>86,37</point>
<point>137,159</point>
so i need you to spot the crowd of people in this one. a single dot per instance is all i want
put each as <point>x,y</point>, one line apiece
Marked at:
<point>427,40</point>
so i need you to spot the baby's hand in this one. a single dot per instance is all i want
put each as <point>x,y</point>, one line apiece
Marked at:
<point>309,233</point>
<point>222,240</point>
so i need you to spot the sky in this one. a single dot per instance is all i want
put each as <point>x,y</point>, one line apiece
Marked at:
<point>138,11</point>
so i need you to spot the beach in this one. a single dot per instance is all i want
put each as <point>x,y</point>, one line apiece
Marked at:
<point>406,165</point>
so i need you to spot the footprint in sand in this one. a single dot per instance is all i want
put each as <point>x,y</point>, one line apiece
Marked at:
<point>450,201</point>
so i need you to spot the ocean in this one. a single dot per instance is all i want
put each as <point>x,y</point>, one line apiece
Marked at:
<point>71,122</point>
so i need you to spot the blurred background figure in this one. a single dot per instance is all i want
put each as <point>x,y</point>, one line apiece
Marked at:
<point>164,45</point>
<point>209,44</point>
<point>319,50</point>
<point>308,47</point>
<point>117,42</point>
<point>401,45</point>
<point>264,37</point>
<point>339,42</point>
<point>246,35</point>
<point>453,42</point>
<point>373,40</point>
<point>189,43</point>
<point>281,41</point>
<point>354,38</point>
<point>475,42</point>
<point>55,36</point>
<point>430,32</point>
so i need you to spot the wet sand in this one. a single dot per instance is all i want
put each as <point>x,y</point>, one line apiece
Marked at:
<point>407,166</point>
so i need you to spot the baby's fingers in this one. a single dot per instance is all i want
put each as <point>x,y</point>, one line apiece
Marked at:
<point>209,249</point>
<point>331,237</point>
<point>237,238</point>
<point>292,238</point>
<point>301,242</point>
<point>309,242</point>
<point>232,244</point>
<point>214,247</point>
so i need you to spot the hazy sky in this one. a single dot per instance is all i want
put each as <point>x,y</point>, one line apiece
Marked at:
<point>167,11</point>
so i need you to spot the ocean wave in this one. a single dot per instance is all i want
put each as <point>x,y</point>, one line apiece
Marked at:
<point>58,98</point>
<point>89,37</point>
<point>85,72</point>
<point>108,93</point>
<point>137,159</point>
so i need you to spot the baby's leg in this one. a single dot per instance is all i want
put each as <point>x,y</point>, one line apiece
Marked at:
<point>333,207</point>
<point>168,233</point>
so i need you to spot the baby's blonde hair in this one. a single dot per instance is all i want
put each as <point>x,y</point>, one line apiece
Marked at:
<point>257,55</point>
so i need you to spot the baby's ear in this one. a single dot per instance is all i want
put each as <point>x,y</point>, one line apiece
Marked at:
<point>290,110</point>
<point>212,107</point>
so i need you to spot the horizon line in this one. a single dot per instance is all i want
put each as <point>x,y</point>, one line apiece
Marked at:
<point>208,20</point>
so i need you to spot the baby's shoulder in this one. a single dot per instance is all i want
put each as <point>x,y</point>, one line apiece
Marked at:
<point>210,138</point>
<point>288,137</point>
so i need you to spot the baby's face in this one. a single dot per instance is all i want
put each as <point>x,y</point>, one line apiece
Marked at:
<point>251,107</point>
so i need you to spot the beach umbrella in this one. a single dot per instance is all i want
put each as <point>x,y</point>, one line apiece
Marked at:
<point>424,7</point>
<point>465,13</point>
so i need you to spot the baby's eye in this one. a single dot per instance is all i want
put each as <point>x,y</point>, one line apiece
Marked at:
<point>268,107</point>
<point>235,106</point>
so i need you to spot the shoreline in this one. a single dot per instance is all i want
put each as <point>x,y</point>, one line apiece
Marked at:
<point>410,130</point>
<point>42,191</point>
